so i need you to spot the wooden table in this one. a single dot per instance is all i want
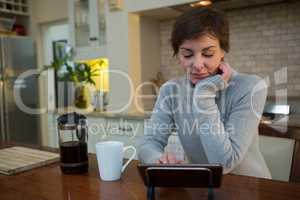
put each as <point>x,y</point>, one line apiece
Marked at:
<point>49,183</point>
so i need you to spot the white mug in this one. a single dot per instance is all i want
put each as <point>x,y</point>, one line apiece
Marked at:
<point>110,159</point>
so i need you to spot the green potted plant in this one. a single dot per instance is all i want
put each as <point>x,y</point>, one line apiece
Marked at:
<point>80,73</point>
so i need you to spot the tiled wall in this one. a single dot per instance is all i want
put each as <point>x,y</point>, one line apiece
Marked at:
<point>264,41</point>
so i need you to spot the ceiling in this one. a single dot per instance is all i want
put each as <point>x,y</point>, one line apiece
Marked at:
<point>172,12</point>
<point>231,4</point>
<point>165,13</point>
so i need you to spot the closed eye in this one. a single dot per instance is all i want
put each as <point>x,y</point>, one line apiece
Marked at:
<point>187,56</point>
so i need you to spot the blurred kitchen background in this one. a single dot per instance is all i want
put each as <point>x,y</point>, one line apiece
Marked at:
<point>133,37</point>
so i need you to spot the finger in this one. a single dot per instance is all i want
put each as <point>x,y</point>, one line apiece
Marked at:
<point>179,161</point>
<point>171,158</point>
<point>228,66</point>
<point>163,159</point>
<point>223,66</point>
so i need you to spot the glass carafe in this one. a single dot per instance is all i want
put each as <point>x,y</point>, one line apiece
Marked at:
<point>73,136</point>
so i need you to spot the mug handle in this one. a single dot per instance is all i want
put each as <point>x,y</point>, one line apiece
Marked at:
<point>131,157</point>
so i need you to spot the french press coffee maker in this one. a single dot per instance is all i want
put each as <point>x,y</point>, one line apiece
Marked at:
<point>72,134</point>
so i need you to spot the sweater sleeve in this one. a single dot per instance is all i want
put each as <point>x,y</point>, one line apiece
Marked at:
<point>227,142</point>
<point>157,130</point>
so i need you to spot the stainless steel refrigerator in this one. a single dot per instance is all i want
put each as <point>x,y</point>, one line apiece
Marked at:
<point>17,55</point>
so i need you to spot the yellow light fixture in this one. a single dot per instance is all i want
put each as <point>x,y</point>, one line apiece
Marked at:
<point>201,3</point>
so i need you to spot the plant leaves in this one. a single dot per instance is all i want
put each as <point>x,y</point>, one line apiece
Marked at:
<point>75,72</point>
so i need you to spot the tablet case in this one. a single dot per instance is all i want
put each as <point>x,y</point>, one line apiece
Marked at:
<point>180,175</point>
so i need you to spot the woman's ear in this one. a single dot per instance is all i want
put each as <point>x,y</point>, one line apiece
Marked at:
<point>223,55</point>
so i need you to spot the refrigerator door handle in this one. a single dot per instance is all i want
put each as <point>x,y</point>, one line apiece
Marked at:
<point>2,123</point>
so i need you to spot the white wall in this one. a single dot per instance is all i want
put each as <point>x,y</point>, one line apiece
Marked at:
<point>140,5</point>
<point>50,10</point>
<point>150,57</point>
<point>123,44</point>
<point>135,71</point>
<point>117,24</point>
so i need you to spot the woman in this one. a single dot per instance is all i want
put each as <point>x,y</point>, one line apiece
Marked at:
<point>214,109</point>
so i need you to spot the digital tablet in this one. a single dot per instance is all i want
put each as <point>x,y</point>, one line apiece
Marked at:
<point>181,175</point>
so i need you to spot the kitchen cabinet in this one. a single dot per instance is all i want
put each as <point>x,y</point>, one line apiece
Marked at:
<point>291,134</point>
<point>15,13</point>
<point>278,154</point>
<point>87,28</point>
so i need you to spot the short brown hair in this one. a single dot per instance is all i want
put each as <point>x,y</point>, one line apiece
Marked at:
<point>197,22</point>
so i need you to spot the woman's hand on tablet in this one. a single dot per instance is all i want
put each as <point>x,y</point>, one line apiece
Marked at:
<point>168,158</point>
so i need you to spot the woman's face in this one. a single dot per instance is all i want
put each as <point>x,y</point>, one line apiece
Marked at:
<point>200,57</point>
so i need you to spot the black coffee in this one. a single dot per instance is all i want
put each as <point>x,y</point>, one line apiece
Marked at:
<point>73,157</point>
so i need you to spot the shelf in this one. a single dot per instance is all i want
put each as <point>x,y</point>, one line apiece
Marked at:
<point>13,3</point>
<point>16,13</point>
<point>18,7</point>
<point>20,3</point>
<point>19,10</point>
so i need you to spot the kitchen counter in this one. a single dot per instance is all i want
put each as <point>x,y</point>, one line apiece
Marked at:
<point>286,127</point>
<point>129,115</point>
<point>89,112</point>
<point>294,120</point>
<point>291,132</point>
